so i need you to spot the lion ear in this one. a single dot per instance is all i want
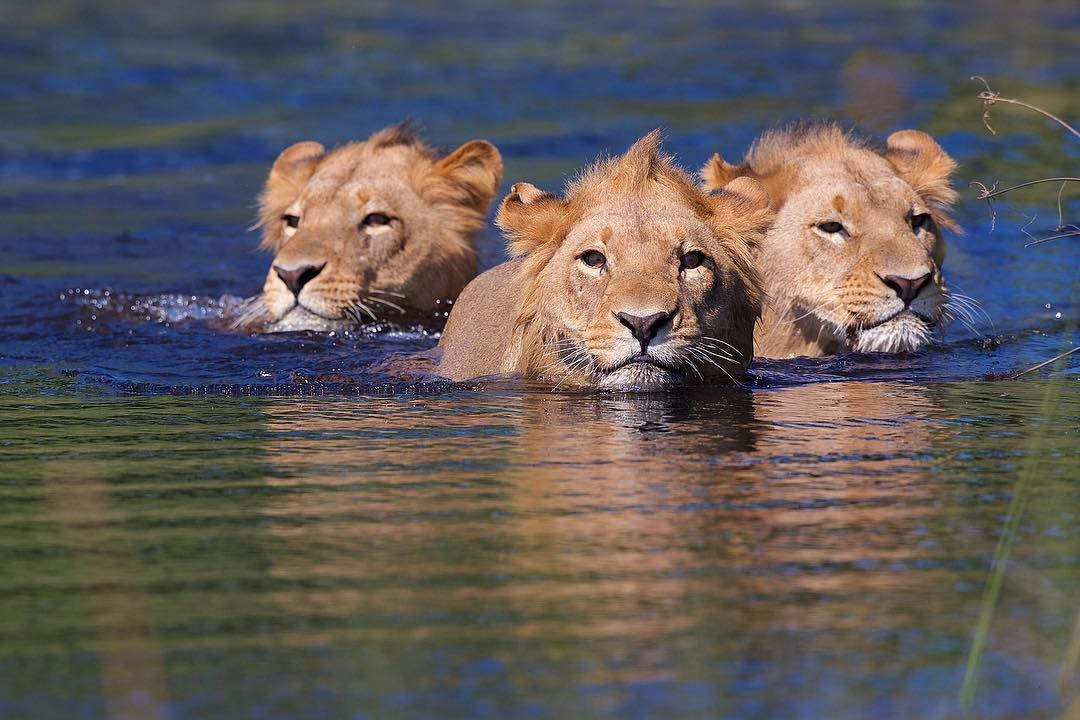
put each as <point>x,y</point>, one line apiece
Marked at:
<point>293,167</point>
<point>748,192</point>
<point>718,172</point>
<point>528,216</point>
<point>745,198</point>
<point>296,164</point>
<point>467,178</point>
<point>922,163</point>
<point>744,203</point>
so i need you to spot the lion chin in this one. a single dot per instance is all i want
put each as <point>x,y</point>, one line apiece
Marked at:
<point>301,319</point>
<point>907,332</point>
<point>640,377</point>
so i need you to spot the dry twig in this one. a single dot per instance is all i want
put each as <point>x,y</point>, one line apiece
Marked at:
<point>989,98</point>
<point>1043,364</point>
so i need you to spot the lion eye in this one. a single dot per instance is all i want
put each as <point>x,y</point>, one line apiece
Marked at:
<point>375,220</point>
<point>594,259</point>
<point>292,221</point>
<point>691,260</point>
<point>918,222</point>
<point>831,227</point>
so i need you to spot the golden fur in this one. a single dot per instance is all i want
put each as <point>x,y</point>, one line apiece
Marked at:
<point>382,227</point>
<point>549,315</point>
<point>829,292</point>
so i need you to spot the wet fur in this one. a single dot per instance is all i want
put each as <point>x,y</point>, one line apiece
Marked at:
<point>544,316</point>
<point>424,257</point>
<point>826,295</point>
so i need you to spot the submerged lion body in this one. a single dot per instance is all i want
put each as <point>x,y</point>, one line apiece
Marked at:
<point>371,230</point>
<point>478,337</point>
<point>853,260</point>
<point>635,279</point>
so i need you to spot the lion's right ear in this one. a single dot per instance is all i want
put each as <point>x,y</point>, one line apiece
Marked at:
<point>293,167</point>
<point>923,164</point>
<point>467,178</point>
<point>529,217</point>
<point>718,172</point>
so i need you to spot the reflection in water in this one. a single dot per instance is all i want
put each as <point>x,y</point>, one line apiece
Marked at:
<point>132,671</point>
<point>649,539</point>
<point>675,555</point>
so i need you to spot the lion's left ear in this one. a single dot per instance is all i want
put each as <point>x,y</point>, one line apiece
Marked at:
<point>922,163</point>
<point>746,201</point>
<point>467,178</point>
<point>717,173</point>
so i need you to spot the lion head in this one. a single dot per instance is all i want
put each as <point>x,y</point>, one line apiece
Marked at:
<point>369,230</point>
<point>635,278</point>
<point>853,261</point>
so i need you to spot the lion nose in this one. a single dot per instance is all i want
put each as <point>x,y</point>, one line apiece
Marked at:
<point>644,328</point>
<point>906,288</point>
<point>296,279</point>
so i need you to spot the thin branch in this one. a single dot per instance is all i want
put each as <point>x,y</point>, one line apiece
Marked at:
<point>1033,368</point>
<point>986,193</point>
<point>1040,241</point>
<point>1061,217</point>
<point>1029,223</point>
<point>990,98</point>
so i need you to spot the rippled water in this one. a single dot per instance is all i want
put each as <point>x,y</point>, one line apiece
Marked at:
<point>201,524</point>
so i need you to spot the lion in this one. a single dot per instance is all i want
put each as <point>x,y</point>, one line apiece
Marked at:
<point>635,279</point>
<point>373,229</point>
<point>853,260</point>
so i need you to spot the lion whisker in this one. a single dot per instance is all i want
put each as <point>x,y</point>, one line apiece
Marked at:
<point>693,366</point>
<point>368,310</point>
<point>971,304</point>
<point>569,355</point>
<point>569,363</point>
<point>395,306</point>
<point>722,369</point>
<point>354,310</point>
<point>715,343</point>
<point>571,369</point>
<point>960,312</point>
<point>715,353</point>
<point>376,291</point>
<point>780,319</point>
<point>696,351</point>
<point>251,311</point>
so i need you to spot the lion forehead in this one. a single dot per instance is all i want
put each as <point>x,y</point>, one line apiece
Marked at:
<point>863,204</point>
<point>633,231</point>
<point>357,178</point>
